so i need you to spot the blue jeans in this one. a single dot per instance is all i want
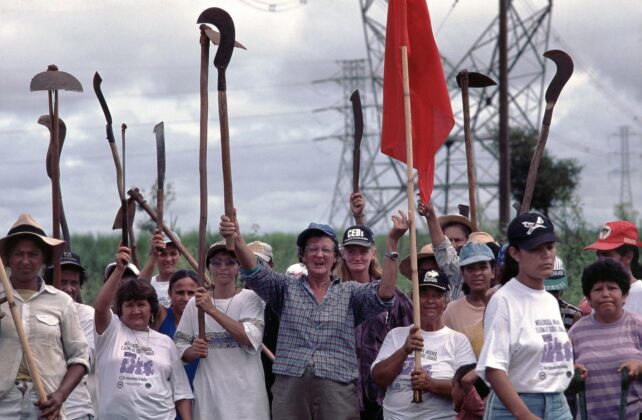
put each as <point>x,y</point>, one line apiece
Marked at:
<point>548,406</point>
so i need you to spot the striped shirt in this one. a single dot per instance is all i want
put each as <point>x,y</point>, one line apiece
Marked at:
<point>602,348</point>
<point>311,333</point>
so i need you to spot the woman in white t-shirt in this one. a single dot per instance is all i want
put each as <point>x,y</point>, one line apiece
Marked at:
<point>140,373</point>
<point>443,351</point>
<point>527,357</point>
<point>229,381</point>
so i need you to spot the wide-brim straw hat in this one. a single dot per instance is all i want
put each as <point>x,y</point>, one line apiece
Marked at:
<point>28,228</point>
<point>454,218</point>
<point>404,266</point>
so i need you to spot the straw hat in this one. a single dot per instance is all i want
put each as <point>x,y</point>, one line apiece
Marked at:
<point>28,228</point>
<point>454,218</point>
<point>425,252</point>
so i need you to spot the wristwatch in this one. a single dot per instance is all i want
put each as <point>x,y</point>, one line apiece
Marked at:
<point>393,255</point>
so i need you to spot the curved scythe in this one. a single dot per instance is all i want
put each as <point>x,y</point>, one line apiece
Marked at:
<point>563,73</point>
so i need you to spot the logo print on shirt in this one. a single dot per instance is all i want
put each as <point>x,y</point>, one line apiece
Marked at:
<point>539,223</point>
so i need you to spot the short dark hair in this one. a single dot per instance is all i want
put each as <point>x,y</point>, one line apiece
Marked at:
<point>136,289</point>
<point>605,270</point>
<point>510,268</point>
<point>480,386</point>
<point>636,270</point>
<point>464,286</point>
<point>180,275</point>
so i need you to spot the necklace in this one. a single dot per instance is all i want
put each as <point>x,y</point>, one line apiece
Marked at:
<point>144,348</point>
<point>228,303</point>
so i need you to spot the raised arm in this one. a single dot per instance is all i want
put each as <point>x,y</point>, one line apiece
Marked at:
<point>228,228</point>
<point>157,244</point>
<point>434,228</point>
<point>102,314</point>
<point>400,225</point>
<point>357,206</point>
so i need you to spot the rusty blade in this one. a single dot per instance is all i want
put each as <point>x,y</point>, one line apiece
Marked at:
<point>474,79</point>
<point>223,21</point>
<point>62,132</point>
<point>215,37</point>
<point>355,98</point>
<point>159,130</point>
<point>53,79</point>
<point>564,70</point>
<point>131,213</point>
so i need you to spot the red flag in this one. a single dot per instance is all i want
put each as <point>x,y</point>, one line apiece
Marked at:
<point>432,116</point>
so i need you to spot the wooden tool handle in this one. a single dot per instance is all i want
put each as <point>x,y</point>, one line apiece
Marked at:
<point>532,170</point>
<point>17,320</point>
<point>228,195</point>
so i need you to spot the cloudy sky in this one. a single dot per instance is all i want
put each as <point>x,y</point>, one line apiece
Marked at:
<point>147,53</point>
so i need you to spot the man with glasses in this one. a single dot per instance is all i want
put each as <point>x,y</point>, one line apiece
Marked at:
<point>316,363</point>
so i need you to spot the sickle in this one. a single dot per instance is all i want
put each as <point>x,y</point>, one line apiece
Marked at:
<point>112,145</point>
<point>62,132</point>
<point>355,98</point>
<point>223,21</point>
<point>563,72</point>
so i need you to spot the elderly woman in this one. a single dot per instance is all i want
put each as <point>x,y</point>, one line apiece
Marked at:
<point>607,341</point>
<point>316,362</point>
<point>229,382</point>
<point>141,375</point>
<point>51,323</point>
<point>359,262</point>
<point>527,356</point>
<point>443,351</point>
<point>476,262</point>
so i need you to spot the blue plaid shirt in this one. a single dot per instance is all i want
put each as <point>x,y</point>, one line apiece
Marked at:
<point>311,333</point>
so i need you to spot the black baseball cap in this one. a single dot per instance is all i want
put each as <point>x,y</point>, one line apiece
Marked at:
<point>434,278</point>
<point>358,235</point>
<point>69,258</point>
<point>529,230</point>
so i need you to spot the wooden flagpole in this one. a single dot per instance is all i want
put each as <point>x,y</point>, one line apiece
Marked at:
<point>410,187</point>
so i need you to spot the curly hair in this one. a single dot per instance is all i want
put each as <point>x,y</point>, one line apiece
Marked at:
<point>606,270</point>
<point>136,289</point>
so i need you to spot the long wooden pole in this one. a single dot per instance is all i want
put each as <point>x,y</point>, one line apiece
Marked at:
<point>55,178</point>
<point>410,187</point>
<point>202,167</point>
<point>22,336</point>
<point>470,159</point>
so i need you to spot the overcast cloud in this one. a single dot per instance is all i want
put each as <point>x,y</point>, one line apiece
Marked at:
<point>147,53</point>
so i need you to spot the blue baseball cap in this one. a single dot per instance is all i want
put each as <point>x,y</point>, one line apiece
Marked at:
<point>317,228</point>
<point>474,252</point>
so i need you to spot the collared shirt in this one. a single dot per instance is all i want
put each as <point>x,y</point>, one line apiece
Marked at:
<point>448,262</point>
<point>319,334</point>
<point>51,324</point>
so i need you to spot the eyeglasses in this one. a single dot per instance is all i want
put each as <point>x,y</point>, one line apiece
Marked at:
<point>219,262</point>
<point>315,249</point>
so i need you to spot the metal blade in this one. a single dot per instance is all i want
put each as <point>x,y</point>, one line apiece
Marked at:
<point>52,79</point>
<point>159,130</point>
<point>215,37</point>
<point>475,79</point>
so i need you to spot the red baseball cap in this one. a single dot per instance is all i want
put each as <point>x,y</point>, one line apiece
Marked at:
<point>614,235</point>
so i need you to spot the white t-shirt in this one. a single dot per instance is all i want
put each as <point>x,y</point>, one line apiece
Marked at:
<point>634,300</point>
<point>162,291</point>
<point>525,337</point>
<point>79,402</point>
<point>140,373</point>
<point>444,352</point>
<point>229,382</point>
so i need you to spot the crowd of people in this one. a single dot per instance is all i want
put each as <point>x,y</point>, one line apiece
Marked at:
<point>334,337</point>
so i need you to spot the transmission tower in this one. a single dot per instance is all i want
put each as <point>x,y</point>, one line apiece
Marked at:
<point>626,195</point>
<point>383,179</point>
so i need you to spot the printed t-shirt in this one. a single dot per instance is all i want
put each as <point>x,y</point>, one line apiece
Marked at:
<point>162,291</point>
<point>140,374</point>
<point>444,352</point>
<point>525,337</point>
<point>229,382</point>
